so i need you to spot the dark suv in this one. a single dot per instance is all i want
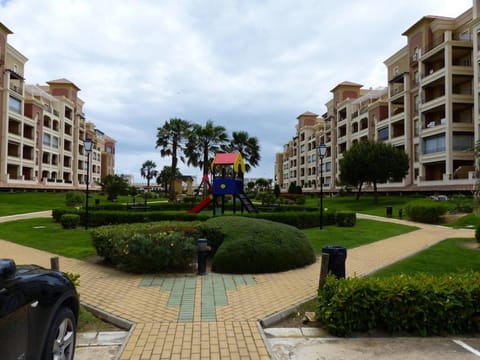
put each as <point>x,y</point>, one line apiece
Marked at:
<point>38,313</point>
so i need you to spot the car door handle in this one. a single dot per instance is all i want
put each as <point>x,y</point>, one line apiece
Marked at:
<point>34,304</point>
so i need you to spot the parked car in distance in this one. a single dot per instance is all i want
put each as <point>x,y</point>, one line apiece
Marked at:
<point>38,313</point>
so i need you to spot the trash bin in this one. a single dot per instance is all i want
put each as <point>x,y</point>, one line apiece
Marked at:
<point>202,253</point>
<point>400,213</point>
<point>389,210</point>
<point>336,260</point>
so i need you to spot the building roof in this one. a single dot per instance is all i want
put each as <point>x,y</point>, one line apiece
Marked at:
<point>5,29</point>
<point>372,94</point>
<point>307,113</point>
<point>63,81</point>
<point>346,83</point>
<point>428,18</point>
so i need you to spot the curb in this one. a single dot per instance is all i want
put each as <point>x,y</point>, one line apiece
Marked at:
<point>283,314</point>
<point>115,320</point>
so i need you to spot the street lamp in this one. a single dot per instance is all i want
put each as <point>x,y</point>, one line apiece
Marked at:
<point>88,145</point>
<point>322,150</point>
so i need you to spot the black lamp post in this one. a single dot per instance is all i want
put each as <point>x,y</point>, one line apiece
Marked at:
<point>322,150</point>
<point>88,145</point>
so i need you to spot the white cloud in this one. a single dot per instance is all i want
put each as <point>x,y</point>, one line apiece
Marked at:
<point>247,65</point>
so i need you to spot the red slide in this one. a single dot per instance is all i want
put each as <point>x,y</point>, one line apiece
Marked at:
<point>201,206</point>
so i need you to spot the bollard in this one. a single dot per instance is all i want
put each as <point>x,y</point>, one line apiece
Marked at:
<point>55,263</point>
<point>202,253</point>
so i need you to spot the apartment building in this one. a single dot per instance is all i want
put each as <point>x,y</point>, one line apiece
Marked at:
<point>429,109</point>
<point>42,129</point>
<point>298,162</point>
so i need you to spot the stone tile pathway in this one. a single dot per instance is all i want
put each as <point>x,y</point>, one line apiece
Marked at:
<point>182,292</point>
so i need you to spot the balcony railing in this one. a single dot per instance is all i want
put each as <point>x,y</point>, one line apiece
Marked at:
<point>16,88</point>
<point>435,42</point>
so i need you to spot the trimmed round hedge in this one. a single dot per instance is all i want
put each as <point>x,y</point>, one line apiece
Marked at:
<point>252,246</point>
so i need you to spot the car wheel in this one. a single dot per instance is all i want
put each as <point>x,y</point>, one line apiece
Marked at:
<point>61,337</point>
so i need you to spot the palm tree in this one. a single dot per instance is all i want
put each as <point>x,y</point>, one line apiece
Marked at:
<point>171,139</point>
<point>203,143</point>
<point>148,171</point>
<point>247,146</point>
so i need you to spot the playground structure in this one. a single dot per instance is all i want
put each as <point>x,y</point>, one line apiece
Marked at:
<point>227,171</point>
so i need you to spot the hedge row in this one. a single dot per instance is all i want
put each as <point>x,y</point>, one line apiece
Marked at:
<point>149,247</point>
<point>105,217</point>
<point>426,211</point>
<point>301,220</point>
<point>240,245</point>
<point>422,305</point>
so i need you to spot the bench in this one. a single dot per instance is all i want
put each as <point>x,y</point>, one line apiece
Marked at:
<point>133,206</point>
<point>267,208</point>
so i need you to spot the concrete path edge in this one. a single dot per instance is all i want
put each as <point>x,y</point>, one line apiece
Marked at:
<point>114,320</point>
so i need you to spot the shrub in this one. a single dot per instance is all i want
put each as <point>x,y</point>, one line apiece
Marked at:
<point>259,246</point>
<point>74,278</point>
<point>213,234</point>
<point>299,219</point>
<point>109,217</point>
<point>461,203</point>
<point>57,213</point>
<point>420,304</point>
<point>74,198</point>
<point>69,221</point>
<point>477,233</point>
<point>427,211</point>
<point>147,247</point>
<point>346,219</point>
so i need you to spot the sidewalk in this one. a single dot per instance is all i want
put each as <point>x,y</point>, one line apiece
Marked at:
<point>215,316</point>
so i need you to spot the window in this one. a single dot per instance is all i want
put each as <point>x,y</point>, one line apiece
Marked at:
<point>465,35</point>
<point>463,142</point>
<point>434,144</point>
<point>46,139</point>
<point>15,105</point>
<point>382,134</point>
<point>55,142</point>
<point>68,113</point>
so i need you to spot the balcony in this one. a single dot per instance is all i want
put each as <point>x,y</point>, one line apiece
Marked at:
<point>16,88</point>
<point>436,42</point>
<point>434,103</point>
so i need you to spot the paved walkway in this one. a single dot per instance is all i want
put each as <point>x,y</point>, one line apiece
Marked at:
<point>215,316</point>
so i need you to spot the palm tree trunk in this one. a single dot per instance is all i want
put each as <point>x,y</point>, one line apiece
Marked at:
<point>174,172</point>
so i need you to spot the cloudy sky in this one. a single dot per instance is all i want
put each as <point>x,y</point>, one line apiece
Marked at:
<point>251,65</point>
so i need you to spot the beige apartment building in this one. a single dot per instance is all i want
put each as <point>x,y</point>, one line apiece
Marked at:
<point>42,130</point>
<point>429,109</point>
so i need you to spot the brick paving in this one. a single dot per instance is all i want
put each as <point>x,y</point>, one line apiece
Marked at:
<point>215,316</point>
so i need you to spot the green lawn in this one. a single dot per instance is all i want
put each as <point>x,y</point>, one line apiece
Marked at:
<point>450,256</point>
<point>24,202</point>
<point>364,232</point>
<point>366,204</point>
<point>467,221</point>
<point>45,234</point>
